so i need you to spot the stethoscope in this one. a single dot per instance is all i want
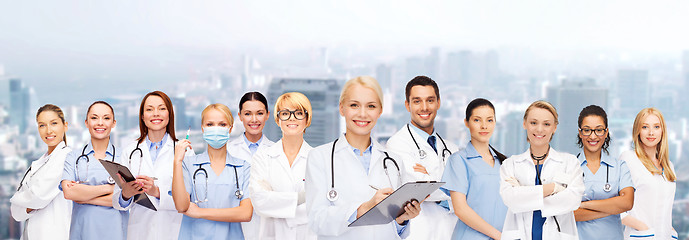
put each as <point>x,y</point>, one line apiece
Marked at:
<point>332,194</point>
<point>239,193</point>
<point>141,155</point>
<point>607,187</point>
<point>422,153</point>
<point>83,154</point>
<point>34,173</point>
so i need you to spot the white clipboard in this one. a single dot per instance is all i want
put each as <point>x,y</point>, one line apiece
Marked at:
<point>114,168</point>
<point>393,205</point>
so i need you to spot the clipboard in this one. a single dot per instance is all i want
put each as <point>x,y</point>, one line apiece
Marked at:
<point>114,168</point>
<point>393,205</point>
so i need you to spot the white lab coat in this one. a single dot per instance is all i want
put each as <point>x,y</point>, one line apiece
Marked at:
<point>434,221</point>
<point>145,223</point>
<point>238,148</point>
<point>329,220</point>
<point>653,200</point>
<point>281,217</point>
<point>522,200</point>
<point>52,217</point>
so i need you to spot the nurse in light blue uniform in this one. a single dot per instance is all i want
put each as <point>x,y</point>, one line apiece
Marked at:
<point>473,181</point>
<point>211,189</point>
<point>86,182</point>
<point>609,187</point>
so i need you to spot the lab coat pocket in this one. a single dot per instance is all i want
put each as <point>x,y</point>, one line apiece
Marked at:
<point>512,235</point>
<point>642,235</point>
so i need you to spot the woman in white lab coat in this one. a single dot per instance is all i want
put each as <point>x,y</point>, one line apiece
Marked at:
<point>654,179</point>
<point>541,187</point>
<point>341,175</point>
<point>150,157</point>
<point>277,173</point>
<point>38,201</point>
<point>253,113</point>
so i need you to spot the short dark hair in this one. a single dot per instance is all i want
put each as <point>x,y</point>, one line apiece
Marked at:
<point>594,110</point>
<point>250,96</point>
<point>421,81</point>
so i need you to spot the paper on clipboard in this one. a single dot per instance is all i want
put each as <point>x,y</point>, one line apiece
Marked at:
<point>393,205</point>
<point>114,168</point>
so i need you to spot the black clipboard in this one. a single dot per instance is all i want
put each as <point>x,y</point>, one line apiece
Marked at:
<point>393,205</point>
<point>114,168</point>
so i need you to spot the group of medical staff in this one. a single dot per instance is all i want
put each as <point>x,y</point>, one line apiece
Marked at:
<point>254,188</point>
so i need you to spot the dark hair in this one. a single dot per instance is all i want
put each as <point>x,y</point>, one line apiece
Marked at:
<point>480,102</point>
<point>170,128</point>
<point>253,96</point>
<point>58,111</point>
<point>421,81</point>
<point>100,102</point>
<point>594,110</point>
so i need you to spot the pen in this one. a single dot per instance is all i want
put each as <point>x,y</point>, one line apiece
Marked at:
<point>374,188</point>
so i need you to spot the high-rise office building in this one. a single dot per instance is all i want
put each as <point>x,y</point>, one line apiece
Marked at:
<point>324,95</point>
<point>19,104</point>
<point>569,98</point>
<point>511,136</point>
<point>633,90</point>
<point>181,120</point>
<point>384,76</point>
<point>459,68</point>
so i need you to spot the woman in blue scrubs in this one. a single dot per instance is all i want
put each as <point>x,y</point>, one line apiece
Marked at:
<point>609,187</point>
<point>211,189</point>
<point>472,178</point>
<point>86,182</point>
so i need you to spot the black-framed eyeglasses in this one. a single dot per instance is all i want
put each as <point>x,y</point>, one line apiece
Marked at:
<point>285,114</point>
<point>598,131</point>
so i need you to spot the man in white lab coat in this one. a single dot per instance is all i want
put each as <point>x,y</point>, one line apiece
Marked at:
<point>424,153</point>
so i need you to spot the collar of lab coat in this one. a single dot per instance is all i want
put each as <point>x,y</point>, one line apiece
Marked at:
<point>471,152</point>
<point>108,151</point>
<point>375,145</point>
<point>229,160</point>
<point>276,150</point>
<point>604,158</point>
<point>421,133</point>
<point>552,155</point>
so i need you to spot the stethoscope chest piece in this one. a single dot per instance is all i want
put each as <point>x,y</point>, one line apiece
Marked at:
<point>607,187</point>
<point>332,195</point>
<point>238,194</point>
<point>111,180</point>
<point>422,154</point>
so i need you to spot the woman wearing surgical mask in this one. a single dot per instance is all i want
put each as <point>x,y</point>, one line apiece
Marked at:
<point>341,175</point>
<point>609,188</point>
<point>277,173</point>
<point>654,179</point>
<point>86,182</point>
<point>541,187</point>
<point>211,189</point>
<point>37,201</point>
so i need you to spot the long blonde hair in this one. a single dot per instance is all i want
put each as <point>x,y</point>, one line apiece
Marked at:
<point>662,149</point>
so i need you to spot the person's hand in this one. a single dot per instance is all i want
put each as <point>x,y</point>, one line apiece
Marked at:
<point>420,168</point>
<point>513,181</point>
<point>379,196</point>
<point>194,211</point>
<point>149,185</point>
<point>129,189</point>
<point>181,149</point>
<point>411,210</point>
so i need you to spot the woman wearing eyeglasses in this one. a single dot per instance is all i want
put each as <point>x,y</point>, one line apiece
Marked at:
<point>211,189</point>
<point>609,187</point>
<point>277,173</point>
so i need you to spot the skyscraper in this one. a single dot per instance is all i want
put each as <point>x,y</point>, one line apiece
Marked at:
<point>324,95</point>
<point>633,90</point>
<point>569,98</point>
<point>19,104</point>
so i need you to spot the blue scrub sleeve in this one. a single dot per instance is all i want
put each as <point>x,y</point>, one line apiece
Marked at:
<point>68,172</point>
<point>245,172</point>
<point>625,176</point>
<point>456,175</point>
<point>187,175</point>
<point>123,203</point>
<point>401,229</point>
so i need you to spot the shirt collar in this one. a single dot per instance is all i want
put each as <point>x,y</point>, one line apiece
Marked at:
<point>159,144</point>
<point>421,133</point>
<point>471,152</point>
<point>229,160</point>
<point>109,151</point>
<point>552,154</point>
<point>604,158</point>
<point>248,143</point>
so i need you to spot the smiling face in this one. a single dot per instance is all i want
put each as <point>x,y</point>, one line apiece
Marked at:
<point>292,126</point>
<point>481,124</point>
<point>540,126</point>
<point>361,109</point>
<point>593,143</point>
<point>156,115</point>
<point>51,128</point>
<point>253,116</point>
<point>100,120</point>
<point>651,131</point>
<point>423,106</point>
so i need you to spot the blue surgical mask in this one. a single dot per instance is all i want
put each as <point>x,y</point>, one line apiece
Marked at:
<point>216,137</point>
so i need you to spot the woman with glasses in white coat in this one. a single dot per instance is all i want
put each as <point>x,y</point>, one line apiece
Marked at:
<point>150,158</point>
<point>253,113</point>
<point>278,172</point>
<point>541,187</point>
<point>341,175</point>
<point>38,201</point>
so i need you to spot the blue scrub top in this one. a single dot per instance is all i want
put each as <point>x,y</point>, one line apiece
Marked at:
<point>92,221</point>
<point>221,194</point>
<point>466,172</point>
<point>609,227</point>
